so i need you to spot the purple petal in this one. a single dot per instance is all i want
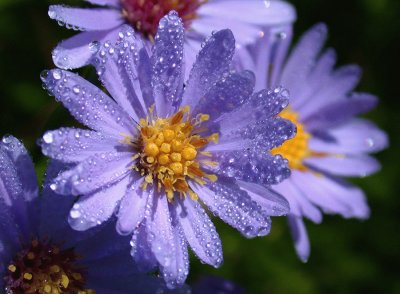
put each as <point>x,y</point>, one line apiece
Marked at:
<point>273,203</point>
<point>264,104</point>
<point>226,95</point>
<point>132,208</point>
<point>252,166</point>
<point>332,196</point>
<point>340,112</point>
<point>23,164</point>
<point>103,244</point>
<point>200,232</point>
<point>354,137</point>
<point>114,3</point>
<point>167,60</point>
<point>90,19</point>
<point>118,67</point>
<point>141,250</point>
<point>12,193</point>
<point>300,237</point>
<point>77,51</point>
<point>11,232</point>
<point>302,58</point>
<point>87,103</point>
<point>334,89</point>
<point>168,244</point>
<point>75,145</point>
<point>300,205</point>
<point>256,12</point>
<point>98,171</point>
<point>235,207</point>
<point>212,62</point>
<point>345,165</point>
<point>264,134</point>
<point>216,285</point>
<point>94,209</point>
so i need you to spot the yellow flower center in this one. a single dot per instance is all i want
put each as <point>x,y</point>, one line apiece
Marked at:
<point>296,149</point>
<point>169,152</point>
<point>44,268</point>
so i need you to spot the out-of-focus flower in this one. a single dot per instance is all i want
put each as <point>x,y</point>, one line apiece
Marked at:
<point>40,253</point>
<point>245,18</point>
<point>216,285</point>
<point>159,149</point>
<point>331,143</point>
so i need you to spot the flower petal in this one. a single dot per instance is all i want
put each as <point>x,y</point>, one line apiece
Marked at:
<point>141,249</point>
<point>273,203</point>
<point>340,112</point>
<point>200,232</point>
<point>331,195</point>
<point>264,104</point>
<point>212,61</point>
<point>87,103</point>
<point>168,244</point>
<point>252,166</point>
<point>334,88</point>
<point>168,61</point>
<point>90,19</point>
<point>234,206</point>
<point>98,171</point>
<point>132,208</point>
<point>299,203</point>
<point>226,95</point>
<point>114,3</point>
<point>302,58</point>
<point>300,237</point>
<point>23,164</point>
<point>263,13</point>
<point>77,51</point>
<point>354,137</point>
<point>94,209</point>
<point>75,145</point>
<point>119,67</point>
<point>345,165</point>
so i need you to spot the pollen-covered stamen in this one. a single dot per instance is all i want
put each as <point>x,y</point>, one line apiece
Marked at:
<point>144,15</point>
<point>44,268</point>
<point>170,152</point>
<point>296,149</point>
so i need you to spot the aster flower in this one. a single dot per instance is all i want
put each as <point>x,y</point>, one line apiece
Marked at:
<point>245,18</point>
<point>40,253</point>
<point>157,150</point>
<point>331,143</point>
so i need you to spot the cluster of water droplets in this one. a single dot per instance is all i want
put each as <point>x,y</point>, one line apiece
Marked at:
<point>87,103</point>
<point>200,232</point>
<point>72,145</point>
<point>56,12</point>
<point>234,206</point>
<point>167,59</point>
<point>226,95</point>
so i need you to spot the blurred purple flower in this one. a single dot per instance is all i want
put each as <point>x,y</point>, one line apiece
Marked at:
<point>245,18</point>
<point>330,142</point>
<point>40,253</point>
<point>152,151</point>
<point>216,285</point>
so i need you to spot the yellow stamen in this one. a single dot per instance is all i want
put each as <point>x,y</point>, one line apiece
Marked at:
<point>168,151</point>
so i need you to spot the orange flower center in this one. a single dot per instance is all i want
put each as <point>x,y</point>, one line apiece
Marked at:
<point>296,149</point>
<point>169,152</point>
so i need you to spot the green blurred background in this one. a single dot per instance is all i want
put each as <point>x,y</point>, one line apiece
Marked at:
<point>348,256</point>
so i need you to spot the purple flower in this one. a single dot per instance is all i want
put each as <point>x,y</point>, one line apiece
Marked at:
<point>40,253</point>
<point>331,143</point>
<point>157,150</point>
<point>245,18</point>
